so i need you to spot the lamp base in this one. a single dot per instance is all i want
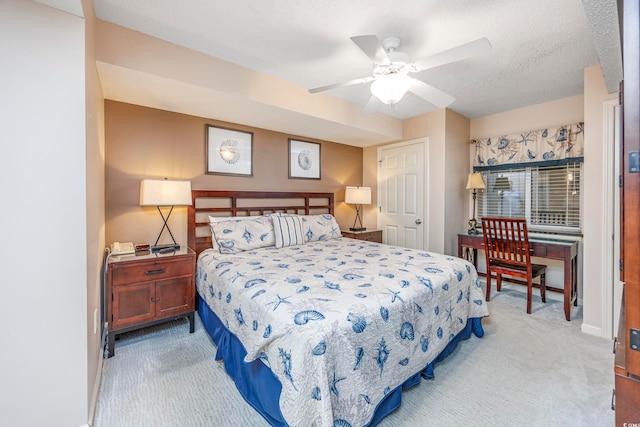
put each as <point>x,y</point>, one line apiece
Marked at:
<point>163,249</point>
<point>357,229</point>
<point>473,230</point>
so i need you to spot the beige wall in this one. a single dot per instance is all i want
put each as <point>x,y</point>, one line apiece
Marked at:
<point>457,197</point>
<point>95,209</point>
<point>539,116</point>
<point>595,242</point>
<point>432,126</point>
<point>590,109</point>
<point>165,75</point>
<point>147,143</point>
<point>448,142</point>
<point>43,320</point>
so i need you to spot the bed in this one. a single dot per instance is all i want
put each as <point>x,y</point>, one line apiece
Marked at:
<point>316,329</point>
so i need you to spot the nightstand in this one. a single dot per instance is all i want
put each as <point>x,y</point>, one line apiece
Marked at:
<point>368,235</point>
<point>149,289</point>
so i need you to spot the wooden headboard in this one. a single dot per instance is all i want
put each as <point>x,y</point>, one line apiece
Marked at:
<point>223,203</point>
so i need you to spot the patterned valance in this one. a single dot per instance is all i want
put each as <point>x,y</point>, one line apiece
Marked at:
<point>543,146</point>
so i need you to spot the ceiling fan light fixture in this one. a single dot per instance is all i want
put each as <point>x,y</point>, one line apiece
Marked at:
<point>390,88</point>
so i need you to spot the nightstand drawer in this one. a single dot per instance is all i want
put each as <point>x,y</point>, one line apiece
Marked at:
<point>154,270</point>
<point>369,236</point>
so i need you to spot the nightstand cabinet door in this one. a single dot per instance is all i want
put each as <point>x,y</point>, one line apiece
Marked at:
<point>133,304</point>
<point>174,296</point>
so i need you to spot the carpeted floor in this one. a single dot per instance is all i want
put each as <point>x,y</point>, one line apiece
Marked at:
<point>528,370</point>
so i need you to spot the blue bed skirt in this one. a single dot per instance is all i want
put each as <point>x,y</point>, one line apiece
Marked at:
<point>261,388</point>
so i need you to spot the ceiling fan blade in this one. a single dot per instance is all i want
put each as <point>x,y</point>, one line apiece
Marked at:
<point>372,47</point>
<point>343,84</point>
<point>372,106</point>
<point>430,94</point>
<point>458,53</point>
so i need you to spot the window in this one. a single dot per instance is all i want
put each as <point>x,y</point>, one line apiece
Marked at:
<point>548,196</point>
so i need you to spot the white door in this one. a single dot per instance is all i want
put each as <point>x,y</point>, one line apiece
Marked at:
<point>401,190</point>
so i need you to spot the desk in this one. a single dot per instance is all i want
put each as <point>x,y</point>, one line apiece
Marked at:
<point>552,249</point>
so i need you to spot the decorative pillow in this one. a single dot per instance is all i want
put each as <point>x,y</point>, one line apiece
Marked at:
<point>214,219</point>
<point>288,230</point>
<point>236,236</point>
<point>320,227</point>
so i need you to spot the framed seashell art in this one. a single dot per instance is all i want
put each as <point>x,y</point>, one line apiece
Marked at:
<point>229,152</point>
<point>304,159</point>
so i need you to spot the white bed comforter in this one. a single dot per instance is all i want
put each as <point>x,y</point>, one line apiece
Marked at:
<point>340,322</point>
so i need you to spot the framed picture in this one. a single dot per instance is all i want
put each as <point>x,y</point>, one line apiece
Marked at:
<point>304,159</point>
<point>229,152</point>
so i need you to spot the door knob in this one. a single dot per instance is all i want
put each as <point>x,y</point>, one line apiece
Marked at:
<point>418,221</point>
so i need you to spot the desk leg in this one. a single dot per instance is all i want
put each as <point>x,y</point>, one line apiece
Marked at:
<point>574,275</point>
<point>470,254</point>
<point>568,286</point>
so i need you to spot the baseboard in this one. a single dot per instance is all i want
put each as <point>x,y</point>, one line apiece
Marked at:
<point>591,330</point>
<point>96,389</point>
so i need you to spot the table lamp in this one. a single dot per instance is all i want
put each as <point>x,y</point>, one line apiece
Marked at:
<point>164,192</point>
<point>475,183</point>
<point>358,196</point>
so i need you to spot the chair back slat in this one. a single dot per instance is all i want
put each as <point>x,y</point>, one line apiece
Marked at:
<point>506,240</point>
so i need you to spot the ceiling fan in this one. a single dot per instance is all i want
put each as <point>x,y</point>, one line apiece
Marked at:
<point>391,69</point>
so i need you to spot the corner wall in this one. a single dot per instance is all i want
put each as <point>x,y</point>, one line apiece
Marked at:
<point>43,320</point>
<point>95,211</point>
<point>539,116</point>
<point>595,95</point>
<point>432,125</point>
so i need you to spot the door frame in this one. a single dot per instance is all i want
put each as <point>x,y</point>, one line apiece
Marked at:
<point>425,201</point>
<point>611,222</point>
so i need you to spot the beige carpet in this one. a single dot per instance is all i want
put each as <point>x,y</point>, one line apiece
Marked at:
<point>528,370</point>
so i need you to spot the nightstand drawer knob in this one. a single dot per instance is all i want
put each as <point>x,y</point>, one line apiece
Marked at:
<point>161,271</point>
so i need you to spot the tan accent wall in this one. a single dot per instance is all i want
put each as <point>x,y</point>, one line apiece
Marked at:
<point>148,143</point>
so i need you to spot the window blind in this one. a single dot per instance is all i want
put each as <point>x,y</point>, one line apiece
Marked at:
<point>549,197</point>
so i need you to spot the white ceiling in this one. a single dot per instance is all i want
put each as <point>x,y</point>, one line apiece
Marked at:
<point>540,47</point>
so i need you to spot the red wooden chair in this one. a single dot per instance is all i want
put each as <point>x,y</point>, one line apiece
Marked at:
<point>506,244</point>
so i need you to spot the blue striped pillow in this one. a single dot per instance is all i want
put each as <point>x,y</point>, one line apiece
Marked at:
<point>288,230</point>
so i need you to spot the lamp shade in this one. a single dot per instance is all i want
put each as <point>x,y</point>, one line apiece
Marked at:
<point>475,182</point>
<point>163,192</point>
<point>358,195</point>
<point>390,88</point>
<point>502,184</point>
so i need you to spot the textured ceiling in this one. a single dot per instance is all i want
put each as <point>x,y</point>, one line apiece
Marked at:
<point>540,47</point>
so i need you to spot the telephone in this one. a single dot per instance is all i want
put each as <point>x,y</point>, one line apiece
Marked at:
<point>118,248</point>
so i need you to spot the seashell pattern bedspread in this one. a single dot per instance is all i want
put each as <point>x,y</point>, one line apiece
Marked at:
<point>340,322</point>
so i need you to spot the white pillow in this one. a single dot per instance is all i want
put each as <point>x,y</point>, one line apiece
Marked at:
<point>320,227</point>
<point>214,219</point>
<point>288,230</point>
<point>238,236</point>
